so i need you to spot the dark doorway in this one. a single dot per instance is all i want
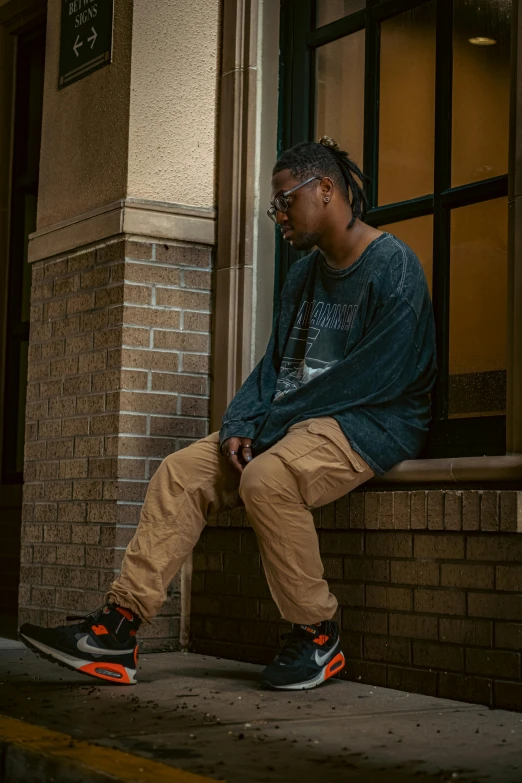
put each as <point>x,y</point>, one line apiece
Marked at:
<point>27,128</point>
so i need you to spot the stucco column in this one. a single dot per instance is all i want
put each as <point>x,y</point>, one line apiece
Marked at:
<point>247,152</point>
<point>121,302</point>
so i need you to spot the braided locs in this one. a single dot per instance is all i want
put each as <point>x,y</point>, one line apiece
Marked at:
<point>325,159</point>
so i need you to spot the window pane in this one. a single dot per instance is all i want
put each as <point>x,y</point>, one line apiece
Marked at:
<point>418,234</point>
<point>331,10</point>
<point>481,38</point>
<point>339,107</point>
<point>478,304</point>
<point>407,105</point>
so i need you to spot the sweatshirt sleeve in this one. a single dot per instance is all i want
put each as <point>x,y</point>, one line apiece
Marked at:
<point>250,404</point>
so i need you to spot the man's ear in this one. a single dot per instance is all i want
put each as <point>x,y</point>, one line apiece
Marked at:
<point>327,187</point>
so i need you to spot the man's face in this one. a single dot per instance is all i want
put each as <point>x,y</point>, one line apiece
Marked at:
<point>300,223</point>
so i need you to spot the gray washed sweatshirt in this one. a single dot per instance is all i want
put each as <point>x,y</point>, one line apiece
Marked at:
<point>357,344</point>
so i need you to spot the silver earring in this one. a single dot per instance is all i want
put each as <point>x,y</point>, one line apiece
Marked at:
<point>326,199</point>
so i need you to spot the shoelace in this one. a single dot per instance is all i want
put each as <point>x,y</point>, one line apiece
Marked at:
<point>297,642</point>
<point>86,620</point>
<point>293,648</point>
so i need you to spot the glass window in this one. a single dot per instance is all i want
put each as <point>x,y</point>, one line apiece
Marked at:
<point>407,105</point>
<point>331,10</point>
<point>418,234</point>
<point>480,119</point>
<point>339,93</point>
<point>478,305</point>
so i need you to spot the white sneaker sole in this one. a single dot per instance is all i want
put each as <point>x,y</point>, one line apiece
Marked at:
<point>80,665</point>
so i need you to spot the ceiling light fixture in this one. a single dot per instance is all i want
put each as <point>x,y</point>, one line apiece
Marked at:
<point>481,40</point>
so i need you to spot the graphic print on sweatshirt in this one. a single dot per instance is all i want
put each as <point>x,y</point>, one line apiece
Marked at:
<point>316,342</point>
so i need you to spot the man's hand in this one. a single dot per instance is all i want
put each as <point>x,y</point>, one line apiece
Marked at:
<point>238,451</point>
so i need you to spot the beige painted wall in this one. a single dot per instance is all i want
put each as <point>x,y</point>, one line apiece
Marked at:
<point>173,106</point>
<point>83,160</point>
<point>145,126</point>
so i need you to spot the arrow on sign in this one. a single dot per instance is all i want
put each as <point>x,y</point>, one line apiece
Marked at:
<point>93,37</point>
<point>77,45</point>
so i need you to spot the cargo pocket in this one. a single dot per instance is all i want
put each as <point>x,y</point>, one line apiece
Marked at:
<point>323,462</point>
<point>331,430</point>
<point>297,443</point>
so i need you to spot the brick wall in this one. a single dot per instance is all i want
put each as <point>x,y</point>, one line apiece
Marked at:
<point>118,379</point>
<point>429,586</point>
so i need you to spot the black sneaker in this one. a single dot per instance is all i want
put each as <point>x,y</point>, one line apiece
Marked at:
<point>102,645</point>
<point>310,656</point>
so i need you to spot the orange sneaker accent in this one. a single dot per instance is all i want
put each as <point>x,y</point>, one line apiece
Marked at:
<point>335,666</point>
<point>132,633</point>
<point>99,630</point>
<point>125,612</point>
<point>136,656</point>
<point>321,639</point>
<point>99,670</point>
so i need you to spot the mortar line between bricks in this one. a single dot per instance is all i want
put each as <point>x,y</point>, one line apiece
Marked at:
<point>172,416</point>
<point>165,265</point>
<point>158,350</point>
<point>163,308</point>
<point>151,285</point>
<point>159,329</point>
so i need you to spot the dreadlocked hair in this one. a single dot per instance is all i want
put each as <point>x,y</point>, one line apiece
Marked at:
<point>326,159</point>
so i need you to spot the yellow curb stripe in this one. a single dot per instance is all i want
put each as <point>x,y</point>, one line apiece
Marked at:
<point>121,766</point>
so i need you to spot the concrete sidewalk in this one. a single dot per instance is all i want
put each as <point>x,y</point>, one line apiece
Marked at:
<point>208,716</point>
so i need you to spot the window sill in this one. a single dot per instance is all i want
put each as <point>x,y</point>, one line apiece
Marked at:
<point>456,470</point>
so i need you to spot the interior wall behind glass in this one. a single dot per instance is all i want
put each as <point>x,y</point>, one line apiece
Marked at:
<point>480,120</point>
<point>407,105</point>
<point>417,233</point>
<point>478,308</point>
<point>339,93</point>
<point>330,10</point>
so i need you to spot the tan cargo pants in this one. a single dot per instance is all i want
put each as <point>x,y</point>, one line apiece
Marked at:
<point>312,465</point>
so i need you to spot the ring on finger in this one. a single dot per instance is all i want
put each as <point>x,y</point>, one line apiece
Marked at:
<point>231,453</point>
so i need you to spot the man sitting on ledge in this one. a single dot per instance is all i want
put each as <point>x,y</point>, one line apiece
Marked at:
<point>341,394</point>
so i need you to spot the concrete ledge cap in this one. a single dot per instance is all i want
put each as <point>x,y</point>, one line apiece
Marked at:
<point>456,470</point>
<point>152,219</point>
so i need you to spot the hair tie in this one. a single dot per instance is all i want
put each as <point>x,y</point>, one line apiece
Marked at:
<point>330,143</point>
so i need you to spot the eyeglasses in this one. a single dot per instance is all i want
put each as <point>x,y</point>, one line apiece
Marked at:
<point>281,203</point>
